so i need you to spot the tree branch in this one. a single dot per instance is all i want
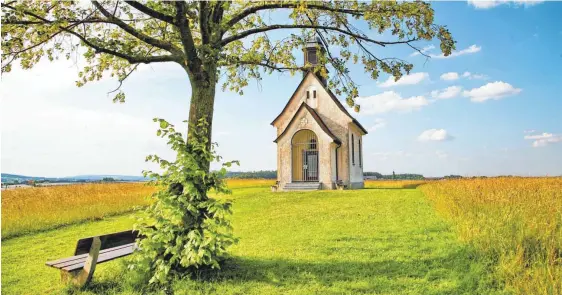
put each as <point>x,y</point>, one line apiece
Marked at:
<point>185,34</point>
<point>35,45</point>
<point>121,80</point>
<point>218,11</point>
<point>204,21</point>
<point>145,38</point>
<point>92,20</point>
<point>250,10</point>
<point>130,58</point>
<point>100,49</point>
<point>151,12</point>
<point>328,28</point>
<point>335,63</point>
<point>419,51</point>
<point>266,65</point>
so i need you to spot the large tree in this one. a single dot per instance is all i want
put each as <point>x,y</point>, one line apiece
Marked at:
<point>210,40</point>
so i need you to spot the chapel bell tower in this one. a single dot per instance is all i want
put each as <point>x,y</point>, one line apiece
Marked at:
<point>312,50</point>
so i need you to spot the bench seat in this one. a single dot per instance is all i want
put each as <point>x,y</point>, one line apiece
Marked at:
<point>80,268</point>
<point>77,262</point>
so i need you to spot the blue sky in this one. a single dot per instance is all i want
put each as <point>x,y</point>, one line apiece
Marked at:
<point>493,108</point>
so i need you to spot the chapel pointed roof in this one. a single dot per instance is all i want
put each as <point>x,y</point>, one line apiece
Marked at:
<point>316,117</point>
<point>332,96</point>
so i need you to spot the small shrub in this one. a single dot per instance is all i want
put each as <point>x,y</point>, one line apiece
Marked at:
<point>184,230</point>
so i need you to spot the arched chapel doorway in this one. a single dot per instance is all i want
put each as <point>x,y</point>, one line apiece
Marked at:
<point>304,150</point>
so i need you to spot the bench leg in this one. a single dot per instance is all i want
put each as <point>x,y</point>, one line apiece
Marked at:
<point>83,276</point>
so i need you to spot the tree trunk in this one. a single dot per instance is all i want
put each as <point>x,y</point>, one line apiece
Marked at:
<point>203,86</point>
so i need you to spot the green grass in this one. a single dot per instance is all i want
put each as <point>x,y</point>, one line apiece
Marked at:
<point>372,241</point>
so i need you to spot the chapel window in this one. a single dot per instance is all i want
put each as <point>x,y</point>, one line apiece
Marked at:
<point>352,150</point>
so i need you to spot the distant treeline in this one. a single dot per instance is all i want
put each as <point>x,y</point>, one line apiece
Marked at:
<point>272,174</point>
<point>406,176</point>
<point>262,174</point>
<point>377,175</point>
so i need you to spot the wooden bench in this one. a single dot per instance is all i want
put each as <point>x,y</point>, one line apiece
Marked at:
<point>79,269</point>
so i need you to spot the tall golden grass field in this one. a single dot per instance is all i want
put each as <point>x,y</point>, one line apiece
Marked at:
<point>26,210</point>
<point>30,209</point>
<point>514,222</point>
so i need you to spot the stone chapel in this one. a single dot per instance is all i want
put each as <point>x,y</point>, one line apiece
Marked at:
<point>319,143</point>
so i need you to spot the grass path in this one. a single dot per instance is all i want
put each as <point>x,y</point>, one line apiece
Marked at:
<point>372,241</point>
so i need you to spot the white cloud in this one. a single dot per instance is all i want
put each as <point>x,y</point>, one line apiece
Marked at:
<point>449,92</point>
<point>486,4</point>
<point>450,76</point>
<point>434,135</point>
<point>379,123</point>
<point>423,50</point>
<point>390,101</point>
<point>471,49</point>
<point>472,76</point>
<point>412,79</point>
<point>495,90</point>
<point>529,131</point>
<point>483,4</point>
<point>540,140</point>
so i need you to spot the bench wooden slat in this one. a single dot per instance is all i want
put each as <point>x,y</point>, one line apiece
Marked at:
<point>60,262</point>
<point>107,241</point>
<point>79,269</point>
<point>105,257</point>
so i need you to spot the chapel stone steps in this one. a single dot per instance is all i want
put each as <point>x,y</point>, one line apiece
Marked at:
<point>302,186</point>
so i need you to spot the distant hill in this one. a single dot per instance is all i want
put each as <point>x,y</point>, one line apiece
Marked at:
<point>16,178</point>
<point>100,177</point>
<point>6,175</point>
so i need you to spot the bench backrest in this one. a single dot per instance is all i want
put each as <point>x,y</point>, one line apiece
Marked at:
<point>107,241</point>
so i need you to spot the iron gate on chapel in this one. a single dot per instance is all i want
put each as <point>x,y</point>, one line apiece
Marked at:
<point>305,156</point>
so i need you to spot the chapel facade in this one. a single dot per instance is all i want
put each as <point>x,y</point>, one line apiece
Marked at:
<point>318,141</point>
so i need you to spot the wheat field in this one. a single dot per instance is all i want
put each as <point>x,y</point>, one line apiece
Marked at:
<point>514,222</point>
<point>27,210</point>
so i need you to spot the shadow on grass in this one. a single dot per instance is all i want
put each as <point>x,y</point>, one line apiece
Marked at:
<point>456,273</point>
<point>98,287</point>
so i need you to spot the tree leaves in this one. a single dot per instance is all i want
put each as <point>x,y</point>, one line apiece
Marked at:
<point>184,229</point>
<point>234,39</point>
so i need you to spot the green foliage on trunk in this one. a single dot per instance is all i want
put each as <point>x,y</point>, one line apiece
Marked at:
<point>183,228</point>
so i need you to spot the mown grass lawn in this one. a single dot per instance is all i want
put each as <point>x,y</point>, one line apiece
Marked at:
<point>371,241</point>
